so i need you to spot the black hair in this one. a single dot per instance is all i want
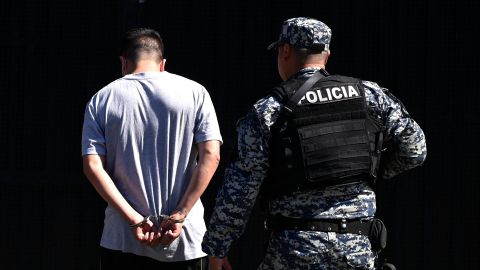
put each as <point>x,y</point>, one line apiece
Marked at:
<point>141,41</point>
<point>304,53</point>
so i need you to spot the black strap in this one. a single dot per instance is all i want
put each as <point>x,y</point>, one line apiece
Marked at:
<point>377,153</point>
<point>293,101</point>
<point>356,226</point>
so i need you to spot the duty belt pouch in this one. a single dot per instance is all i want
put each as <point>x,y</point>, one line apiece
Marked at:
<point>377,235</point>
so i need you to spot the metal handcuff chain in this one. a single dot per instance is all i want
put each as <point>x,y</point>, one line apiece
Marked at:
<point>157,217</point>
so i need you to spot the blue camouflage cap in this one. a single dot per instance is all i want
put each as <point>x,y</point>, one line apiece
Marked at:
<point>305,33</point>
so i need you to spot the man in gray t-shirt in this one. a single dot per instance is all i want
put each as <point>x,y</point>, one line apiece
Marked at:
<point>150,145</point>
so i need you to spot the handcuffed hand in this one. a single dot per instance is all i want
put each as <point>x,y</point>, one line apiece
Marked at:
<point>170,229</point>
<point>145,231</point>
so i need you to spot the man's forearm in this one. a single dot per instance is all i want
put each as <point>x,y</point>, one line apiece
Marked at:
<point>209,158</point>
<point>101,181</point>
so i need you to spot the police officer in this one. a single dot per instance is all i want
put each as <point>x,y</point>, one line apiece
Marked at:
<point>313,149</point>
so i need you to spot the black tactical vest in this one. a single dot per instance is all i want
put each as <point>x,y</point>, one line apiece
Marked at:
<point>326,139</point>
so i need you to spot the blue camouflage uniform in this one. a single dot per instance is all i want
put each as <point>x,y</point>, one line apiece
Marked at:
<point>289,249</point>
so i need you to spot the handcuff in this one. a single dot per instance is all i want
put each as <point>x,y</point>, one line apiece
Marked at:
<point>157,217</point>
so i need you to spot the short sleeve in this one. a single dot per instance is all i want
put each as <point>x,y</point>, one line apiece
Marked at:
<point>206,124</point>
<point>93,135</point>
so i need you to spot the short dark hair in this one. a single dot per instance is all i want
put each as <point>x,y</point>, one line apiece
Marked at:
<point>141,41</point>
<point>304,53</point>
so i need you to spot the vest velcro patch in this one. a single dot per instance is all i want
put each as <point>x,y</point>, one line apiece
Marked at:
<point>332,93</point>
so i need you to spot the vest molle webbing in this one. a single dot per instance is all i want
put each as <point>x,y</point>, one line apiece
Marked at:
<point>327,138</point>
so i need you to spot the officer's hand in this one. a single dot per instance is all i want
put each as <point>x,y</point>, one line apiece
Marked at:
<point>215,263</point>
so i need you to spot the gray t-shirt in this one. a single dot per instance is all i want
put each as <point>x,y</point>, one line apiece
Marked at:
<point>146,124</point>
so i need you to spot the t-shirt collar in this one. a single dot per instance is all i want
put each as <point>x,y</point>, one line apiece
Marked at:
<point>143,75</point>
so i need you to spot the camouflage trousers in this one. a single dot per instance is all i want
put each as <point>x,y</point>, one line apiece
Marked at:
<point>303,250</point>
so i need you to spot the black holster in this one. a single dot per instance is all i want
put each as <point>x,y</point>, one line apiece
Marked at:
<point>377,235</point>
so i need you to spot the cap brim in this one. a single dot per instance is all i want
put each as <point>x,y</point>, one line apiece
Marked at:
<point>273,45</point>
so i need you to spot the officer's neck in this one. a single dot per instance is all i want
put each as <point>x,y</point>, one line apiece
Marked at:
<point>300,66</point>
<point>313,65</point>
<point>305,66</point>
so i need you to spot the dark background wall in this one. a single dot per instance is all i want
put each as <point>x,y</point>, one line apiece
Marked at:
<point>55,55</point>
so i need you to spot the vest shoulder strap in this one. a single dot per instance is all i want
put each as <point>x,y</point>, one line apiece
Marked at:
<point>295,98</point>
<point>285,90</point>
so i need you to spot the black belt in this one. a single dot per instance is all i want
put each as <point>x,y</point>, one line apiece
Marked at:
<point>357,226</point>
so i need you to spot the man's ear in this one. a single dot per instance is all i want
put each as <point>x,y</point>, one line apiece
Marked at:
<point>124,63</point>
<point>162,65</point>
<point>286,51</point>
<point>327,55</point>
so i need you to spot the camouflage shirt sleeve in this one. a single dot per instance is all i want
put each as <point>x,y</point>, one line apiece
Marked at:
<point>404,141</point>
<point>242,180</point>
